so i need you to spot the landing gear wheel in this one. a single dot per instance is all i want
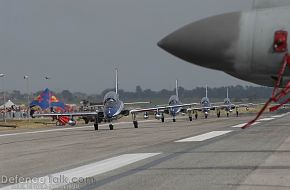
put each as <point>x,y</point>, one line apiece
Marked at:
<point>219,115</point>
<point>190,118</point>
<point>96,125</point>
<point>228,114</point>
<point>111,126</point>
<point>237,114</point>
<point>135,123</point>
<point>174,120</point>
<point>196,116</point>
<point>86,121</point>
<point>162,119</point>
<point>205,116</point>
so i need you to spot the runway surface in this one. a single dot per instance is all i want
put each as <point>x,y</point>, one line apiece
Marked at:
<point>203,154</point>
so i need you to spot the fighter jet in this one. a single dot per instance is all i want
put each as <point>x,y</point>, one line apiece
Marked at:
<point>206,106</point>
<point>249,45</point>
<point>112,109</point>
<point>174,107</point>
<point>228,106</point>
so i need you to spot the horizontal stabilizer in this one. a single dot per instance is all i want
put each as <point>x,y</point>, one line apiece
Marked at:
<point>262,4</point>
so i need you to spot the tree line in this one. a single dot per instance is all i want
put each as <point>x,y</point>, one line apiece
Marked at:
<point>237,93</point>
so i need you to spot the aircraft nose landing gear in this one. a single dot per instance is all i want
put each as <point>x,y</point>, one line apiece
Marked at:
<point>111,126</point>
<point>174,119</point>
<point>190,118</point>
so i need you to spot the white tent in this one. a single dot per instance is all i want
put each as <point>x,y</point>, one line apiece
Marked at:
<point>8,104</point>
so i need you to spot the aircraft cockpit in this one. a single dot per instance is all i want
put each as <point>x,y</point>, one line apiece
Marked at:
<point>110,98</point>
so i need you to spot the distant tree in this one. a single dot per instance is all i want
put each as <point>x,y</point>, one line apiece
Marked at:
<point>139,91</point>
<point>106,91</point>
<point>67,96</point>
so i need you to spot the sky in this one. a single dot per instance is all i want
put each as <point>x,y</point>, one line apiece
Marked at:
<point>78,43</point>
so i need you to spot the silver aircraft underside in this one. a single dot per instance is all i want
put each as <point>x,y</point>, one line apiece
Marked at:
<point>239,43</point>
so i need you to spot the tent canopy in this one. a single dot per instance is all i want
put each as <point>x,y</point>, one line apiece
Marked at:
<point>8,104</point>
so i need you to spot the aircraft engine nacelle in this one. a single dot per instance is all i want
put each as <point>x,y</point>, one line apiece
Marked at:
<point>72,122</point>
<point>158,116</point>
<point>189,109</point>
<point>146,115</point>
<point>125,112</point>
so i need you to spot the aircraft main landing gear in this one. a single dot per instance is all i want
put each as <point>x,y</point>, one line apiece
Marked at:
<point>96,124</point>
<point>218,114</point>
<point>162,118</point>
<point>135,123</point>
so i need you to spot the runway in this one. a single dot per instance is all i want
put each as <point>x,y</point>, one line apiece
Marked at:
<point>203,154</point>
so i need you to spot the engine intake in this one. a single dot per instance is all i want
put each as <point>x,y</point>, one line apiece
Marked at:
<point>72,122</point>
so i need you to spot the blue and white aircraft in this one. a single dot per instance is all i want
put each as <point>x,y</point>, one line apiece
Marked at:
<point>174,107</point>
<point>229,106</point>
<point>205,106</point>
<point>112,109</point>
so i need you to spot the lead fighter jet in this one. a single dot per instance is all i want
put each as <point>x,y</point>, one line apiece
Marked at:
<point>112,109</point>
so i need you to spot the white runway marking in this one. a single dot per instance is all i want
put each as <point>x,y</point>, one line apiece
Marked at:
<point>243,124</point>
<point>43,131</point>
<point>66,129</point>
<point>279,116</point>
<point>267,119</point>
<point>81,173</point>
<point>239,125</point>
<point>204,137</point>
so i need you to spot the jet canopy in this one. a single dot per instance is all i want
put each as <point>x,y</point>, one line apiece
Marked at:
<point>111,97</point>
<point>205,101</point>
<point>173,100</point>
<point>227,101</point>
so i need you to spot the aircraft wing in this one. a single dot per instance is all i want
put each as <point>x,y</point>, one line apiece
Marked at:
<point>203,108</point>
<point>244,105</point>
<point>66,114</point>
<point>161,108</point>
<point>134,103</point>
<point>233,106</point>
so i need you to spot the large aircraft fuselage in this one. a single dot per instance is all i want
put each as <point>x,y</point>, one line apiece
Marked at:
<point>239,43</point>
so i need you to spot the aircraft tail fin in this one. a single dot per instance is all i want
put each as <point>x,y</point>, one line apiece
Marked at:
<point>263,4</point>
<point>176,88</point>
<point>116,81</point>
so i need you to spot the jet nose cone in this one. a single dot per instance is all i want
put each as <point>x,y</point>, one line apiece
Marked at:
<point>207,42</point>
